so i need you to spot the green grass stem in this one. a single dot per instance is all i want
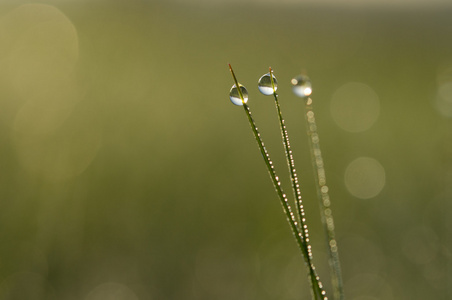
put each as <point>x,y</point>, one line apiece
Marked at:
<point>324,201</point>
<point>315,281</point>
<point>317,288</point>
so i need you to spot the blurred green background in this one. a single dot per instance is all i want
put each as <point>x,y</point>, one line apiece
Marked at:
<point>126,173</point>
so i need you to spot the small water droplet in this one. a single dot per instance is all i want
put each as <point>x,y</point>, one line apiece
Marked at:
<point>265,84</point>
<point>234,95</point>
<point>301,86</point>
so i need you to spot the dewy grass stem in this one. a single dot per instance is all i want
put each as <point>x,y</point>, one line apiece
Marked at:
<point>317,291</point>
<point>324,201</point>
<point>296,188</point>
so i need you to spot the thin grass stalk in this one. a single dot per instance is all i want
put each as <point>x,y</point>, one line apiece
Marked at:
<point>314,279</point>
<point>317,291</point>
<point>324,201</point>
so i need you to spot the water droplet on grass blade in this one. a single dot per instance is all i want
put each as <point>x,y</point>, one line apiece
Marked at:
<point>301,86</point>
<point>234,95</point>
<point>265,84</point>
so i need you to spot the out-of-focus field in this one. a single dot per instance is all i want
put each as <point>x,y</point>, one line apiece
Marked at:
<point>126,173</point>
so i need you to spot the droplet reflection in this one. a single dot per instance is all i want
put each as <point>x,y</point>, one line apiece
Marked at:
<point>301,86</point>
<point>234,95</point>
<point>265,84</point>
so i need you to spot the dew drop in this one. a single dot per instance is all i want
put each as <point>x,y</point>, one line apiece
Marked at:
<point>234,95</point>
<point>265,84</point>
<point>301,86</point>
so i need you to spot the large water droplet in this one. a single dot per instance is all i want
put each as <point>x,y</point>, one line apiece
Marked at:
<point>234,95</point>
<point>301,86</point>
<point>265,84</point>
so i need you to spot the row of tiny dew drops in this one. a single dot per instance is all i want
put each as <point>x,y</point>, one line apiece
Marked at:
<point>301,86</point>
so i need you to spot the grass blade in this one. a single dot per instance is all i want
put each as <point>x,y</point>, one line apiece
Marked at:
<point>324,201</point>
<point>315,281</point>
<point>316,285</point>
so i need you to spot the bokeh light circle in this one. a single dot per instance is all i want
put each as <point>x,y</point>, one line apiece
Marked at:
<point>443,100</point>
<point>54,138</point>
<point>40,50</point>
<point>41,47</point>
<point>365,177</point>
<point>355,107</point>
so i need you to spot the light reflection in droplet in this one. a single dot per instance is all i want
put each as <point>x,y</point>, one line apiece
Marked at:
<point>234,95</point>
<point>301,86</point>
<point>265,84</point>
<point>365,177</point>
<point>355,107</point>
